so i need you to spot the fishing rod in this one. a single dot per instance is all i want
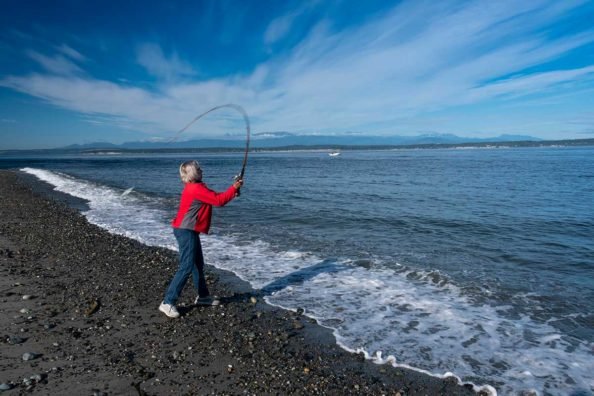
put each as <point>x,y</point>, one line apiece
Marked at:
<point>246,119</point>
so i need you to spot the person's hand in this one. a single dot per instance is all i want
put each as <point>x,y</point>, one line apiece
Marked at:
<point>238,183</point>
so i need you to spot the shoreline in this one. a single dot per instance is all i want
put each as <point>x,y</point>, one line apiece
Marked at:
<point>489,143</point>
<point>94,320</point>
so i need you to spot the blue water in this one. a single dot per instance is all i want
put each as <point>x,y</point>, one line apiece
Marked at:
<point>476,262</point>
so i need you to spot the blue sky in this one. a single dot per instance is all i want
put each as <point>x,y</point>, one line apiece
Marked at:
<point>77,72</point>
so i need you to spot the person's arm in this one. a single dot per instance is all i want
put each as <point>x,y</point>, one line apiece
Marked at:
<point>214,198</point>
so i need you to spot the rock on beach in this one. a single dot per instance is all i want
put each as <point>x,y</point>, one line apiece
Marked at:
<point>30,356</point>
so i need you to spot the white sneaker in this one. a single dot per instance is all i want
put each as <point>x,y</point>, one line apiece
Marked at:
<point>207,301</point>
<point>169,310</point>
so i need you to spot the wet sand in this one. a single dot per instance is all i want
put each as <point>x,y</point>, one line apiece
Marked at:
<point>83,303</point>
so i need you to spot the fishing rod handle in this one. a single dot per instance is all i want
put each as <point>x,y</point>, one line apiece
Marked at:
<point>236,178</point>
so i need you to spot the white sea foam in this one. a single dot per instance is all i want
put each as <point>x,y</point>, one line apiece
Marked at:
<point>402,317</point>
<point>123,215</point>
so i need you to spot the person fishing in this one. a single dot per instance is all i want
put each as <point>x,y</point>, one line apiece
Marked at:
<point>193,217</point>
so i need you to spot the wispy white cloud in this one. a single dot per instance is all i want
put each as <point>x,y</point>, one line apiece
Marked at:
<point>386,75</point>
<point>281,26</point>
<point>56,64</point>
<point>526,85</point>
<point>278,28</point>
<point>126,107</point>
<point>70,52</point>
<point>151,57</point>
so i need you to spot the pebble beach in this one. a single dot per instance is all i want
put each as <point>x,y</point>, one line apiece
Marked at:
<point>79,316</point>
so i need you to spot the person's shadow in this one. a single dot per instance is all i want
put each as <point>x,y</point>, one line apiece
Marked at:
<point>298,277</point>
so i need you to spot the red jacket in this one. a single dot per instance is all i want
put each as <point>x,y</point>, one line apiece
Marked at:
<point>195,207</point>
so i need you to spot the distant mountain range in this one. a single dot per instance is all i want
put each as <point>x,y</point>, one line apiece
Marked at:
<point>287,139</point>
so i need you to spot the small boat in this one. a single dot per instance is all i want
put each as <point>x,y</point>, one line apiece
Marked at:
<point>334,153</point>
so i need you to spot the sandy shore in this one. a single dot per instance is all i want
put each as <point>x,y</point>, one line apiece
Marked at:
<point>82,303</point>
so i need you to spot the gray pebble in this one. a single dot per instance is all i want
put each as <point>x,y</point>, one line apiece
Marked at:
<point>14,340</point>
<point>30,356</point>
<point>27,297</point>
<point>36,377</point>
<point>297,324</point>
<point>5,387</point>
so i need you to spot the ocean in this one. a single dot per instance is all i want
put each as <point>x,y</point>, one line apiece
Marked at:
<point>476,262</point>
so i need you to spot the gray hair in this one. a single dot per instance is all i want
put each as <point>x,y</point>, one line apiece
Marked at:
<point>190,172</point>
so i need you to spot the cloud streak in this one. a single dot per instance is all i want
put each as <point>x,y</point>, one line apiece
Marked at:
<point>151,57</point>
<point>281,26</point>
<point>57,64</point>
<point>71,52</point>
<point>417,59</point>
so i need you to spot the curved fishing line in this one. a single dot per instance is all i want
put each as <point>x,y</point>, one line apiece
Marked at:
<point>246,119</point>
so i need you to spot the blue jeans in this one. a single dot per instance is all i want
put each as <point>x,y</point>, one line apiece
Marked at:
<point>191,261</point>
